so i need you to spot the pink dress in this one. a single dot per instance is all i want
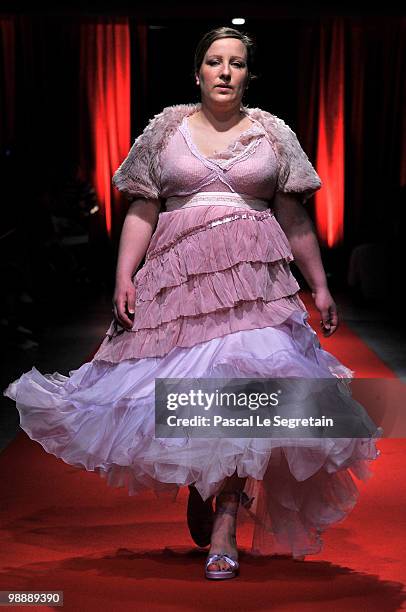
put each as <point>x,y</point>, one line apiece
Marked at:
<point>215,298</point>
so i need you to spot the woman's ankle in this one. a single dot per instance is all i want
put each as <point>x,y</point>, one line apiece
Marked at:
<point>225,525</point>
<point>227,502</point>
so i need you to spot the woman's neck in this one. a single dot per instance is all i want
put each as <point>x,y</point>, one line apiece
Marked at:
<point>221,119</point>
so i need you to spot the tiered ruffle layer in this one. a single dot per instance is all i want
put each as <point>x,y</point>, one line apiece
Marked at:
<point>209,271</point>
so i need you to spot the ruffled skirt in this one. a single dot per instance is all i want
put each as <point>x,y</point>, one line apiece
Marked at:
<point>212,300</point>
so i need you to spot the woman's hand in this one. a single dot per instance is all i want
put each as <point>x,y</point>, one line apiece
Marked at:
<point>328,310</point>
<point>124,302</point>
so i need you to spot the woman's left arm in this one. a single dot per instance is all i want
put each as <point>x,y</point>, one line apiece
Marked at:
<point>299,229</point>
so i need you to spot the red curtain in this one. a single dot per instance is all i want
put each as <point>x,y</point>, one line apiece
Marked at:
<point>329,202</point>
<point>350,121</point>
<point>105,76</point>
<point>8,71</point>
<point>39,103</point>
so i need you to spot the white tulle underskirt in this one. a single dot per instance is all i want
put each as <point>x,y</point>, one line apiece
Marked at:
<point>101,418</point>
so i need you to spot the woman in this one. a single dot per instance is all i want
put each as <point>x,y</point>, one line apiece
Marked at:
<point>215,298</point>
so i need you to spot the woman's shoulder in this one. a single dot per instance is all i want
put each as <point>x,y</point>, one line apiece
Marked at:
<point>276,127</point>
<point>171,116</point>
<point>162,125</point>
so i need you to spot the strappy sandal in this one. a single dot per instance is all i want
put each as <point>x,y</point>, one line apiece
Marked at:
<point>234,570</point>
<point>222,574</point>
<point>200,517</point>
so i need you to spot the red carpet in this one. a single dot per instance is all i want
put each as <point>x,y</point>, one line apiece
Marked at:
<point>64,529</point>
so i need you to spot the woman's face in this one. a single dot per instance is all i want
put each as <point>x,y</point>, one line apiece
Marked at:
<point>225,63</point>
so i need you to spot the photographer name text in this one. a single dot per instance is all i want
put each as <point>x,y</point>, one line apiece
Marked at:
<point>253,420</point>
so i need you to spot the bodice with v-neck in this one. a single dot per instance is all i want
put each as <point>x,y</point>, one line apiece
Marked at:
<point>247,166</point>
<point>241,146</point>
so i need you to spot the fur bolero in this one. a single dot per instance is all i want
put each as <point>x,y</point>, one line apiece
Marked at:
<point>139,174</point>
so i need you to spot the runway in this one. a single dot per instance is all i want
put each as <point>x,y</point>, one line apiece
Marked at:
<point>63,529</point>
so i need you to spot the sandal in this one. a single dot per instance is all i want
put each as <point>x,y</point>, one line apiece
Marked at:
<point>200,517</point>
<point>222,574</point>
<point>234,567</point>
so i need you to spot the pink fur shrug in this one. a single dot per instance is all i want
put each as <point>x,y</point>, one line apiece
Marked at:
<point>139,174</point>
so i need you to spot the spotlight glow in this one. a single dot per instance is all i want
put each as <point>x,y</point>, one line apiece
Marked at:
<point>238,21</point>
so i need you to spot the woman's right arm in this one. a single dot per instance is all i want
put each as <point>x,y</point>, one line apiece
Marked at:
<point>138,228</point>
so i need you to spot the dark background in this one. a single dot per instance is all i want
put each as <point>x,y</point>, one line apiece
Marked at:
<point>52,127</point>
